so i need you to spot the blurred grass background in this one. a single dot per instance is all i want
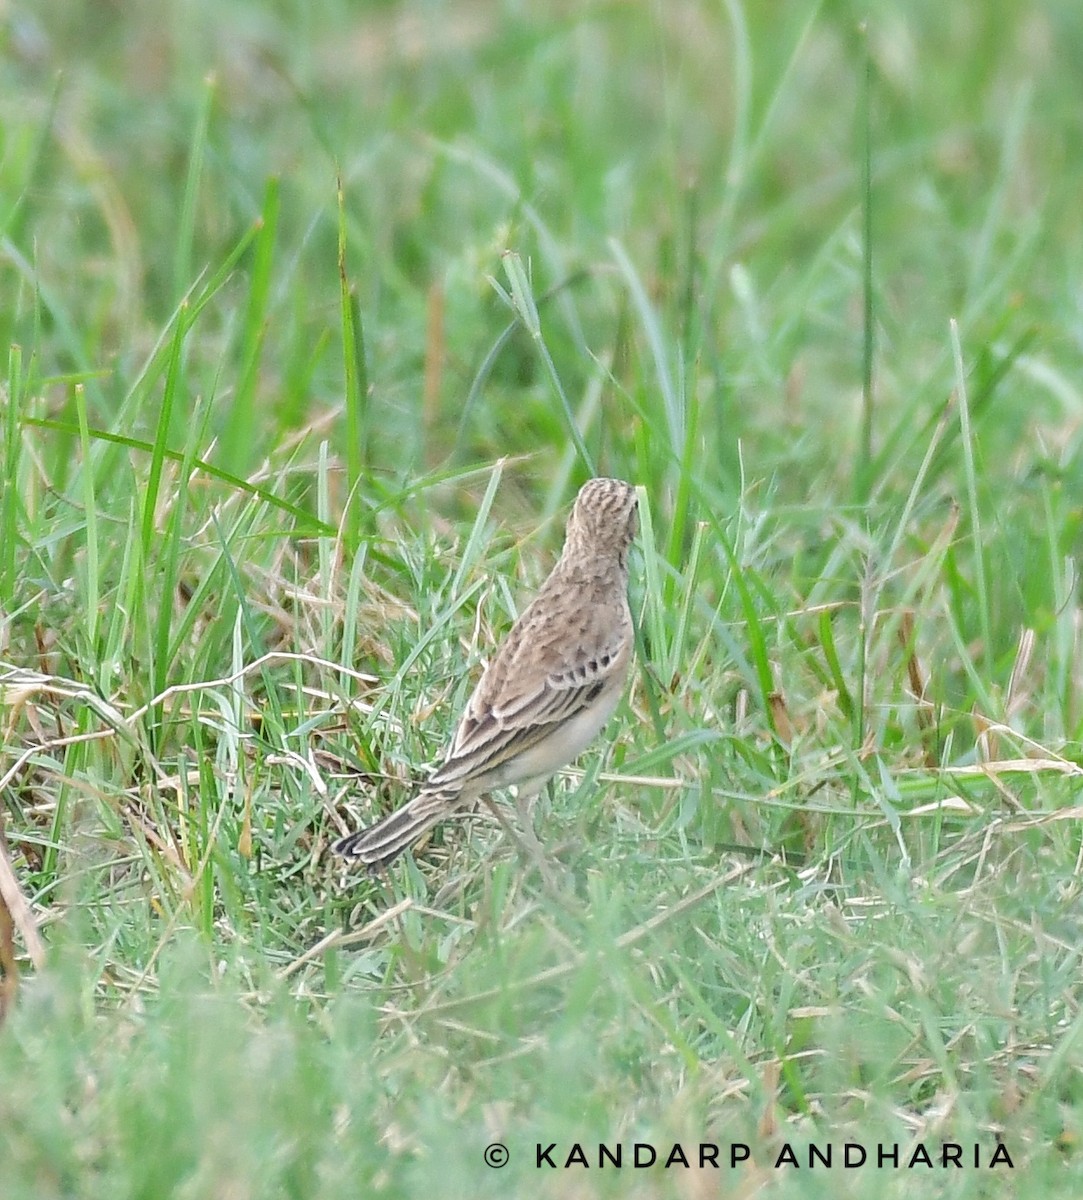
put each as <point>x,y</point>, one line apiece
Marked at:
<point>315,316</point>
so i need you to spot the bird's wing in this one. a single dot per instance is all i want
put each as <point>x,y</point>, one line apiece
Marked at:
<point>514,708</point>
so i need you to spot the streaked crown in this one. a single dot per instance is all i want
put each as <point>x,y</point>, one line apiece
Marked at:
<point>603,520</point>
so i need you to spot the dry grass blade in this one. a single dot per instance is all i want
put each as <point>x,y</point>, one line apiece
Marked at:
<point>19,913</point>
<point>339,938</point>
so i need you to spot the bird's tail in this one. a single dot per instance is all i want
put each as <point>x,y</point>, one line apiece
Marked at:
<point>379,844</point>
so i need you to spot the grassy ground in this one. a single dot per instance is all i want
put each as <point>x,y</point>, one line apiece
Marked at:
<point>315,316</point>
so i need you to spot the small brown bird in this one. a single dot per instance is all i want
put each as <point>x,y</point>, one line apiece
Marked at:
<point>553,684</point>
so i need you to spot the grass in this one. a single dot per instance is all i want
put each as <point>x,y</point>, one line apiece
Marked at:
<point>315,317</point>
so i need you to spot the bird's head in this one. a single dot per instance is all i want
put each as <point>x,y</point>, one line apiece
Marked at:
<point>603,521</point>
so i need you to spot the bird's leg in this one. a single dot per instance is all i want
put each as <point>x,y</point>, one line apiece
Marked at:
<point>524,801</point>
<point>525,839</point>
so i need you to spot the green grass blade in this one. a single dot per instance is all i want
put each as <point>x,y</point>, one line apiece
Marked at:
<point>244,424</point>
<point>185,243</point>
<point>357,387</point>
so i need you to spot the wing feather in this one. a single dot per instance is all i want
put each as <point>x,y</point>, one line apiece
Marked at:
<point>525,691</point>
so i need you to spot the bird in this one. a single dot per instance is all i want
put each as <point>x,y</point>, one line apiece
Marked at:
<point>552,685</point>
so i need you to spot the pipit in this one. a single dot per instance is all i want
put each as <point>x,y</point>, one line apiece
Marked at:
<point>552,685</point>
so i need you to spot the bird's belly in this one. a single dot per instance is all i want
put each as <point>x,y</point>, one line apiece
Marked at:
<point>566,742</point>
